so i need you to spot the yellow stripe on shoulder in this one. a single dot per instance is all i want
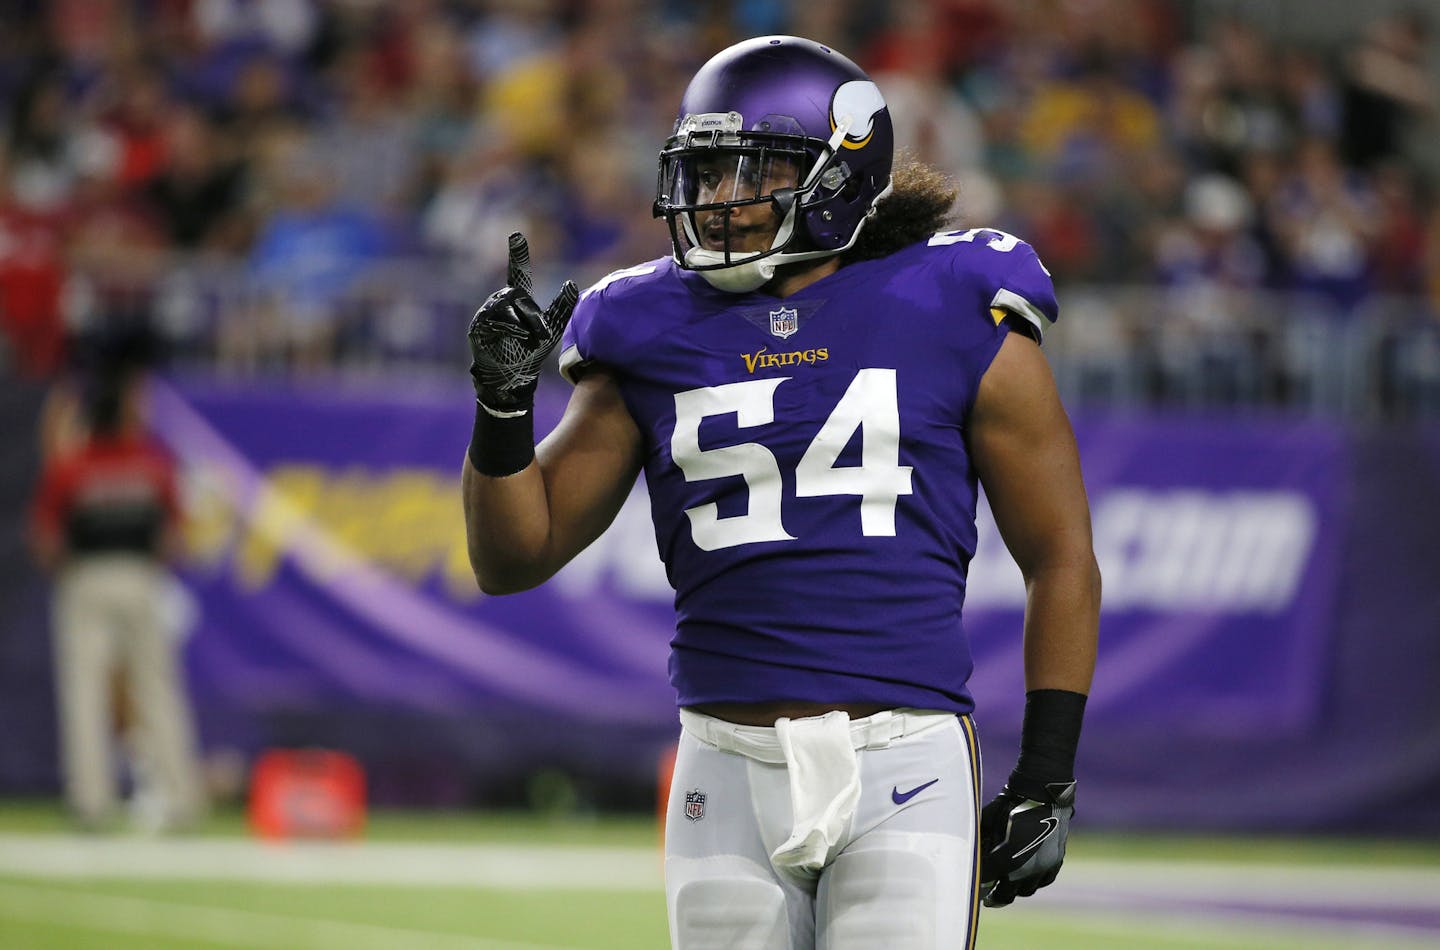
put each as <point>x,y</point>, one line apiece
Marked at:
<point>999,315</point>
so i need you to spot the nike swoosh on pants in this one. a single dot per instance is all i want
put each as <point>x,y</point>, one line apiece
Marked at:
<point>900,798</point>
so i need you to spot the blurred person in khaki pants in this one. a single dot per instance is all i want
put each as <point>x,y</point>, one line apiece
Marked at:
<point>105,525</point>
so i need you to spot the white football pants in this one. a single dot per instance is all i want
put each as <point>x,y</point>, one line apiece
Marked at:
<point>899,872</point>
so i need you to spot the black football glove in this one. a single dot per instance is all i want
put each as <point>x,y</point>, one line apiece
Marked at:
<point>510,338</point>
<point>1022,838</point>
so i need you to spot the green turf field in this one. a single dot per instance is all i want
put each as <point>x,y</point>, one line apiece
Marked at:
<point>518,882</point>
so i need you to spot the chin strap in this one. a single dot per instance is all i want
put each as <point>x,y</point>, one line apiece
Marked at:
<point>738,278</point>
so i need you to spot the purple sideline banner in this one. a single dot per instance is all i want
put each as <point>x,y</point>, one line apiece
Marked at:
<point>1220,548</point>
<point>328,565</point>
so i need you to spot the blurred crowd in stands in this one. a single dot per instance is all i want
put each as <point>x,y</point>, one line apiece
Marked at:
<point>293,152</point>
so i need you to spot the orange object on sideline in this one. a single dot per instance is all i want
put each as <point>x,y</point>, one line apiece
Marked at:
<point>662,786</point>
<point>307,793</point>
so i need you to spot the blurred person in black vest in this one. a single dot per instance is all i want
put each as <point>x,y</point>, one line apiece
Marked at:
<point>105,525</point>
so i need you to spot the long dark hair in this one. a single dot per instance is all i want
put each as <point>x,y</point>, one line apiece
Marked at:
<point>920,203</point>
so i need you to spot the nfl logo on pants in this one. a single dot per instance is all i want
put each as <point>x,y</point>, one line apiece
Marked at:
<point>695,805</point>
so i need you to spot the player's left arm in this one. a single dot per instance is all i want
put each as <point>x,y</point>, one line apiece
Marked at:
<point>1025,455</point>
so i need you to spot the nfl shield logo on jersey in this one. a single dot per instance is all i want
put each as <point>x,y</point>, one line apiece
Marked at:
<point>695,805</point>
<point>784,322</point>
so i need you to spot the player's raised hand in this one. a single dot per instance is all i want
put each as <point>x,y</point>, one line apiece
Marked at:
<point>1022,838</point>
<point>510,337</point>
<point>517,270</point>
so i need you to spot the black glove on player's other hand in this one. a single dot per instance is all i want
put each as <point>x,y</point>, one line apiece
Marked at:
<point>510,338</point>
<point>1022,838</point>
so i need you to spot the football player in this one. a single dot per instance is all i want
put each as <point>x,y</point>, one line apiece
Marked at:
<point>814,383</point>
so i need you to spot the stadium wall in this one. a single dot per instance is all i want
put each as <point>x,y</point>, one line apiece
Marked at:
<point>1269,641</point>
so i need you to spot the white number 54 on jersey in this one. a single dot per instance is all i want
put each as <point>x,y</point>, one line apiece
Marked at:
<point>869,405</point>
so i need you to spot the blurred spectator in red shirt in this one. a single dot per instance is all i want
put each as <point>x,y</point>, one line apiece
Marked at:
<point>105,524</point>
<point>32,276</point>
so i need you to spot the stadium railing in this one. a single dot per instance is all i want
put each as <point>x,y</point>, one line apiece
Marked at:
<point>1117,347</point>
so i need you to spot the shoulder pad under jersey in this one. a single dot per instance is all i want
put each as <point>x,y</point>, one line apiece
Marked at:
<point>1008,268</point>
<point>584,340</point>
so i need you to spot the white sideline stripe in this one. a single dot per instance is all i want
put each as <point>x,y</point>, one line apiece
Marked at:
<point>1215,930</point>
<point>526,867</point>
<point>1394,886</point>
<point>225,926</point>
<point>551,867</point>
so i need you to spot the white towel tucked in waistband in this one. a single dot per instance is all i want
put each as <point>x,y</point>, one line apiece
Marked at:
<point>824,787</point>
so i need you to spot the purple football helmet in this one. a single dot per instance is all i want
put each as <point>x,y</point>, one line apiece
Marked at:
<point>781,121</point>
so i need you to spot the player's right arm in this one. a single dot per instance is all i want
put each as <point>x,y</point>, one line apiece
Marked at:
<point>528,511</point>
<point>524,527</point>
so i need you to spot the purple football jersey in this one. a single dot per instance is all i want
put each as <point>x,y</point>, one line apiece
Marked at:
<point>812,496</point>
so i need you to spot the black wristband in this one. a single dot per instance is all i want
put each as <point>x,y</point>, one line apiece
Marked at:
<point>501,444</point>
<point>1050,734</point>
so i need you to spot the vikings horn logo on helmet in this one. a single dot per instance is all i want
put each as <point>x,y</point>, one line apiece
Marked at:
<point>861,101</point>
